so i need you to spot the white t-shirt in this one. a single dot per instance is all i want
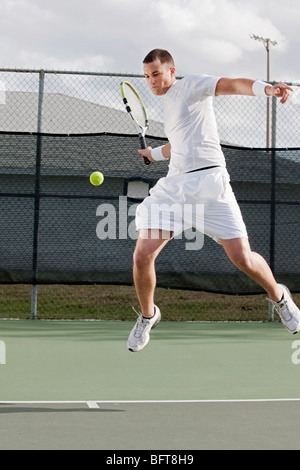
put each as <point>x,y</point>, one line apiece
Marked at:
<point>190,124</point>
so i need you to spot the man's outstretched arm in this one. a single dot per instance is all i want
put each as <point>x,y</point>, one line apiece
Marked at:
<point>245,86</point>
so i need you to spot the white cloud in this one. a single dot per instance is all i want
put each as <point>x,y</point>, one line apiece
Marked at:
<point>177,17</point>
<point>216,29</point>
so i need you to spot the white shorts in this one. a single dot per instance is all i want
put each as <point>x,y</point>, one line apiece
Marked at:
<point>203,200</point>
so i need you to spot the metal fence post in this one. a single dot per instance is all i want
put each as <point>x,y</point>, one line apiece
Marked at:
<point>273,195</point>
<point>37,196</point>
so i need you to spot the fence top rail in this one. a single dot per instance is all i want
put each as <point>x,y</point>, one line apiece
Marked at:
<point>101,74</point>
<point>72,72</point>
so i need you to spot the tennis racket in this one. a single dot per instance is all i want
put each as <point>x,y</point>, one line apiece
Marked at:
<point>136,108</point>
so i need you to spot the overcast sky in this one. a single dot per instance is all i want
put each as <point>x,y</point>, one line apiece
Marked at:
<point>204,36</point>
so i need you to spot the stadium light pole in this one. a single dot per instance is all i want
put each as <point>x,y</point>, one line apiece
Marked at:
<point>267,42</point>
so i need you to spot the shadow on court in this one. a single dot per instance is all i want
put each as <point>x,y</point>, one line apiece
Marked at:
<point>196,386</point>
<point>12,409</point>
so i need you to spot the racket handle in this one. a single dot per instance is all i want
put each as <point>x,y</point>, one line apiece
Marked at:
<point>144,146</point>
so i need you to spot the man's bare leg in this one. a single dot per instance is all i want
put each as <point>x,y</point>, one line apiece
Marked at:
<point>148,246</point>
<point>252,264</point>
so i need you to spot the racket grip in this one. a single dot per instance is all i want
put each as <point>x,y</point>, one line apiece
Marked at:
<point>144,146</point>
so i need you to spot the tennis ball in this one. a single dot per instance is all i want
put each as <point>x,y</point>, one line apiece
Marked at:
<point>96,178</point>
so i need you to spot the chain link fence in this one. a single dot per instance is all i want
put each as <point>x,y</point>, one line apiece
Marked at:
<point>66,247</point>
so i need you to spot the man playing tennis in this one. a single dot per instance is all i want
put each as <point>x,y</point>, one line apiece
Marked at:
<point>197,174</point>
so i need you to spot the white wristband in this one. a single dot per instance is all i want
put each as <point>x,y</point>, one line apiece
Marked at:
<point>259,88</point>
<point>157,154</point>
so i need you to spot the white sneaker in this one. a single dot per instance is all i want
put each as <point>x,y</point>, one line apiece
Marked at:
<point>288,311</point>
<point>140,334</point>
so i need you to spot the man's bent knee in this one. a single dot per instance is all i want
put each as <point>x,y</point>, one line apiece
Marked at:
<point>143,258</point>
<point>239,252</point>
<point>148,248</point>
<point>243,262</point>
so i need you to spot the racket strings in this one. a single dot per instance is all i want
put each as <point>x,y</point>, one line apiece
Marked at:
<point>135,106</point>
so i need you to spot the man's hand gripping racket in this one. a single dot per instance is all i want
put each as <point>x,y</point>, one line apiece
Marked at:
<point>136,108</point>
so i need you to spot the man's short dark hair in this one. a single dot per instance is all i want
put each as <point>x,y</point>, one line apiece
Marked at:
<point>161,54</point>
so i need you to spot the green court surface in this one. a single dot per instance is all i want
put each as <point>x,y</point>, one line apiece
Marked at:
<point>73,385</point>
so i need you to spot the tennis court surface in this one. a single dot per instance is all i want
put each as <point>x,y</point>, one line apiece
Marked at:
<point>73,385</point>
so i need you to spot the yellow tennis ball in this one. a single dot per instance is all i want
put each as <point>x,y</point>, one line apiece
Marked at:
<point>96,178</point>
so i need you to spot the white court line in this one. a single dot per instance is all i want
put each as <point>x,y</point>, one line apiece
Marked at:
<point>95,403</point>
